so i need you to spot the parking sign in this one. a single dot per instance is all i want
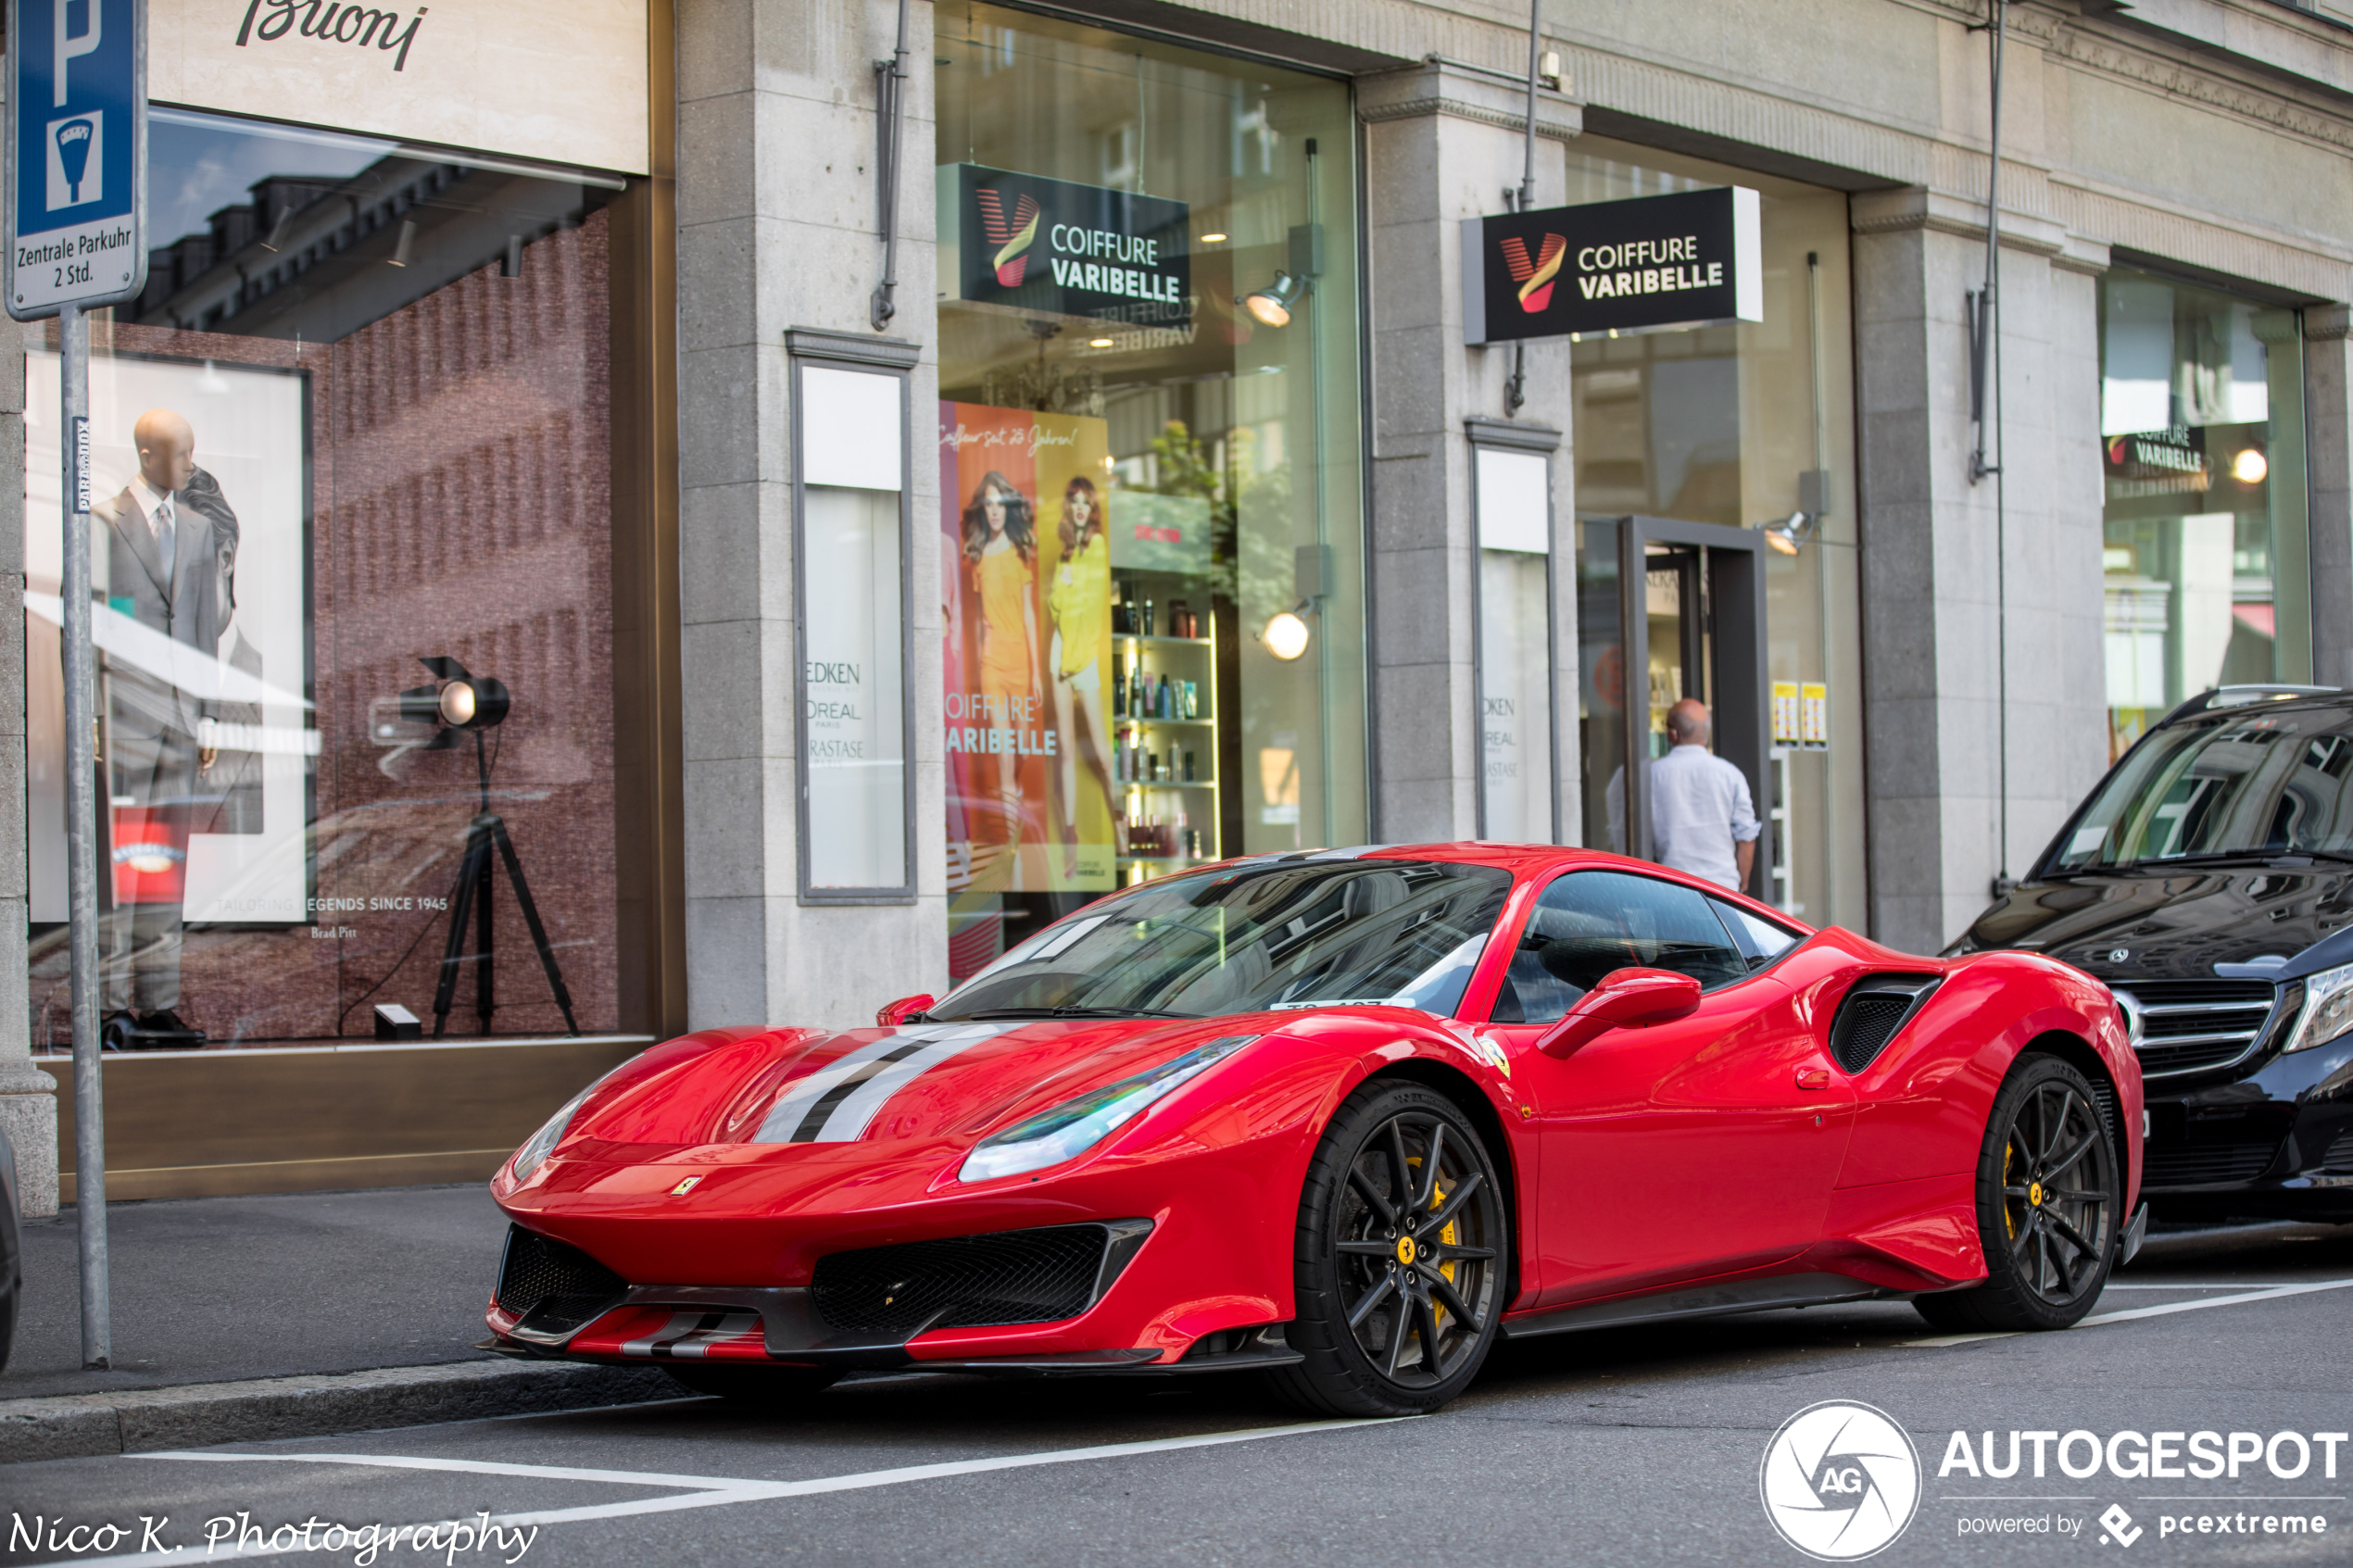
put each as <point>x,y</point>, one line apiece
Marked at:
<point>77,153</point>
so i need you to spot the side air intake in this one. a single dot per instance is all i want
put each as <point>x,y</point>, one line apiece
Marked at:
<point>1872,1013</point>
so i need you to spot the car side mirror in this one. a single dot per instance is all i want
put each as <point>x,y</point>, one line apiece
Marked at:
<point>905,1007</point>
<point>1624,998</point>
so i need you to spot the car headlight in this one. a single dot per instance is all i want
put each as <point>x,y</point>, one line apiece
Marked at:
<point>537,1149</point>
<point>2328,1008</point>
<point>1074,1126</point>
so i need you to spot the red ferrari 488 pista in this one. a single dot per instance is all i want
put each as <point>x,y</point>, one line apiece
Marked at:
<point>1344,1117</point>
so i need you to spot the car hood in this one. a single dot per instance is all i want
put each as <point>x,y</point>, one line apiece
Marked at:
<point>752,1094</point>
<point>2180,923</point>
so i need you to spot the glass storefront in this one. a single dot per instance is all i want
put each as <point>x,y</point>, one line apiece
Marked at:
<point>2202,452</point>
<point>1150,526</point>
<point>355,534</point>
<point>1748,425</point>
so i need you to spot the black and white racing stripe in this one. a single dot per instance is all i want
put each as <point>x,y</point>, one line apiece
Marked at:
<point>837,1102</point>
<point>690,1334</point>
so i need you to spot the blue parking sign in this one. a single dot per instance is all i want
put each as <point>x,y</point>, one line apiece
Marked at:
<point>77,153</point>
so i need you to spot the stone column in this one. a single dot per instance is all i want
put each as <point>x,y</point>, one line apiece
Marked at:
<point>1443,142</point>
<point>2328,432</point>
<point>1937,607</point>
<point>778,228</point>
<point>27,1095</point>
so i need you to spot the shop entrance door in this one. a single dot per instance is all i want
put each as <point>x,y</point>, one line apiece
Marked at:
<point>1669,610</point>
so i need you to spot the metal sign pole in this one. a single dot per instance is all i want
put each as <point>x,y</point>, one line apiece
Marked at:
<point>81,839</point>
<point>76,241</point>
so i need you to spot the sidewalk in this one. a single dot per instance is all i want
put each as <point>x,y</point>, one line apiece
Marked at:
<point>275,1294</point>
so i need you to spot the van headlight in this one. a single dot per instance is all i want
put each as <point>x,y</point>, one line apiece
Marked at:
<point>2328,1008</point>
<point>1074,1126</point>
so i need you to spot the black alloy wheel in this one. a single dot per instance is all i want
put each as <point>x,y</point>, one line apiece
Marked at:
<point>779,1388</point>
<point>1401,1256</point>
<point>2047,1198</point>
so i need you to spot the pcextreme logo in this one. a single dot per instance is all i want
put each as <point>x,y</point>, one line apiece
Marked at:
<point>1534,277</point>
<point>1839,1480</point>
<point>1010,236</point>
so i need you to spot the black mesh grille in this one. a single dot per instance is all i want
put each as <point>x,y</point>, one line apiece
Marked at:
<point>2340,1153</point>
<point>964,1282</point>
<point>554,1286</point>
<point>2199,1164</point>
<point>1870,1016</point>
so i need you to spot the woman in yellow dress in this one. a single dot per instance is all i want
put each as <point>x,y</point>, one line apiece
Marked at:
<point>1079,603</point>
<point>1000,551</point>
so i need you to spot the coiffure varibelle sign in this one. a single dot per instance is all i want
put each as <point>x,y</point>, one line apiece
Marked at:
<point>1064,249</point>
<point>1685,259</point>
<point>558,79</point>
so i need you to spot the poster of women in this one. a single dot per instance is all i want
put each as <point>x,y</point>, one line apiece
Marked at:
<point>1026,571</point>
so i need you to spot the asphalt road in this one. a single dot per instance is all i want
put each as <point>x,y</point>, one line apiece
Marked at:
<point>1628,1446</point>
<point>209,1289</point>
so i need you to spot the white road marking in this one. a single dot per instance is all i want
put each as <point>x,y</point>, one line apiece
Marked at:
<point>2129,1314</point>
<point>2184,1284</point>
<point>708,1491</point>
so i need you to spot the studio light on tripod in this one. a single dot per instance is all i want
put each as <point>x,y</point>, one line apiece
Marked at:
<point>462,701</point>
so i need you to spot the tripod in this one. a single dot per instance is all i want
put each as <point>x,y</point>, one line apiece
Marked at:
<point>473,892</point>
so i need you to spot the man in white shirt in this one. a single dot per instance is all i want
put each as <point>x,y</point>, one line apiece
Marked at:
<point>1702,818</point>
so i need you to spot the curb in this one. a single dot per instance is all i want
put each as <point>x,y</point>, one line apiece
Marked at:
<point>195,1415</point>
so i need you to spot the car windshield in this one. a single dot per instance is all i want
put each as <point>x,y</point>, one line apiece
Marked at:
<point>2248,783</point>
<point>1290,934</point>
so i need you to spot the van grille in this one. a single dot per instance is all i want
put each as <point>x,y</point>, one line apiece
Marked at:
<point>2203,1164</point>
<point>2196,1025</point>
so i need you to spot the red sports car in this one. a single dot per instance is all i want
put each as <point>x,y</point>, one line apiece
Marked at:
<point>1344,1117</point>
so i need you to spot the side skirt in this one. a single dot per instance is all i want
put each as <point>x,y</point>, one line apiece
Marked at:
<point>1703,1301</point>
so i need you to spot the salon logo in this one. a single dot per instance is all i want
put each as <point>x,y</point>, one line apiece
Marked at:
<point>1839,1480</point>
<point>1534,277</point>
<point>1010,235</point>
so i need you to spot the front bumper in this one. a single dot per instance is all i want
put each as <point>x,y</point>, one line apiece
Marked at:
<point>2275,1144</point>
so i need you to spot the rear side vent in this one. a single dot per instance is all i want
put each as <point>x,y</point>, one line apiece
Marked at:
<point>1872,1013</point>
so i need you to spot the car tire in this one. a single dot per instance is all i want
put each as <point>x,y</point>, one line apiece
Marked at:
<point>2048,1248</point>
<point>767,1387</point>
<point>1376,1279</point>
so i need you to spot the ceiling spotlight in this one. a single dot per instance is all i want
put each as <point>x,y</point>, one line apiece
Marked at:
<point>403,247</point>
<point>1793,531</point>
<point>1285,634</point>
<point>1099,342</point>
<point>2250,465</point>
<point>1271,304</point>
<point>1212,239</point>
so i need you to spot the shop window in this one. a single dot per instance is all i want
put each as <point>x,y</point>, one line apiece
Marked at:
<point>1150,522</point>
<point>354,451</point>
<point>2204,530</point>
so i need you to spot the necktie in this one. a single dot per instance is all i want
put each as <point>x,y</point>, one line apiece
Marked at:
<point>166,537</point>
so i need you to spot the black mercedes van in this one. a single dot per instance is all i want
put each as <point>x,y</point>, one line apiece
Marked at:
<point>2209,882</point>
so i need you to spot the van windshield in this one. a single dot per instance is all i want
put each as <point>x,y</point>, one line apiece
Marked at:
<point>2244,785</point>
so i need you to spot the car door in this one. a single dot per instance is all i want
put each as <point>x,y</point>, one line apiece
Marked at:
<point>1680,1150</point>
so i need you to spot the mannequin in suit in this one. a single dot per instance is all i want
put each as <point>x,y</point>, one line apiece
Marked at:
<point>172,552</point>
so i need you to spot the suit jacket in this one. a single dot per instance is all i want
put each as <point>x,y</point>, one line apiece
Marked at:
<point>194,604</point>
